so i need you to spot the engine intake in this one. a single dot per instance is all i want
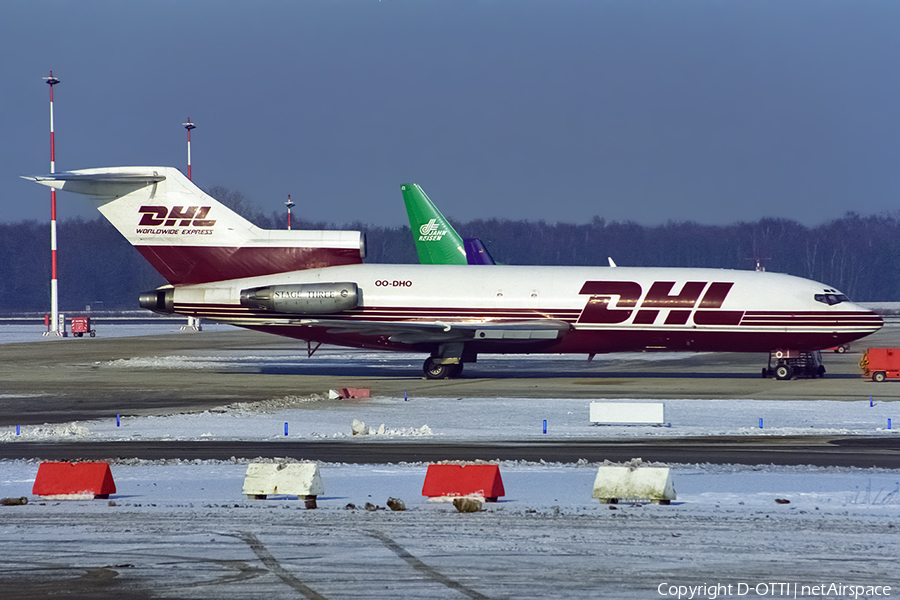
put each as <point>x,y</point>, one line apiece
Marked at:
<point>303,298</point>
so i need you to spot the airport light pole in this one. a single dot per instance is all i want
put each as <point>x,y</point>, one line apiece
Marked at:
<point>289,205</point>
<point>54,289</point>
<point>193,323</point>
<point>189,126</point>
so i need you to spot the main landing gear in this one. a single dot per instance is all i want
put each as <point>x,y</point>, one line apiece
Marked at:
<point>788,364</point>
<point>435,370</point>
<point>446,362</point>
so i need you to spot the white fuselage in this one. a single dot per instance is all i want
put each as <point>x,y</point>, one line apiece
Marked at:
<point>609,309</point>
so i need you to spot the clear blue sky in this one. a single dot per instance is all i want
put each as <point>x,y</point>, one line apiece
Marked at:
<point>646,110</point>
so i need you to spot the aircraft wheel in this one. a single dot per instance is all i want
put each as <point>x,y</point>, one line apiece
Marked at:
<point>765,373</point>
<point>455,371</point>
<point>436,371</point>
<point>783,372</point>
<point>841,349</point>
<point>821,371</point>
<point>879,376</point>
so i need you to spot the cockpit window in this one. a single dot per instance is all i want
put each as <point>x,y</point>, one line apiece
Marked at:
<point>831,299</point>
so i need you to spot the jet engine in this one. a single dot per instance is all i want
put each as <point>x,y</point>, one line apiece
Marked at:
<point>159,301</point>
<point>302,298</point>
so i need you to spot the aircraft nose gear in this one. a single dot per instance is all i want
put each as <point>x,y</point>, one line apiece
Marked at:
<point>788,364</point>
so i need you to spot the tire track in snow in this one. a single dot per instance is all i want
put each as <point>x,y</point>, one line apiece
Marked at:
<point>273,565</point>
<point>418,565</point>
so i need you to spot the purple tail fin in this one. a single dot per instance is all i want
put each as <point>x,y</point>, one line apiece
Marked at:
<point>476,253</point>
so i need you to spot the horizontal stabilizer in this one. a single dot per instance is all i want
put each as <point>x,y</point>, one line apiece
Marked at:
<point>103,183</point>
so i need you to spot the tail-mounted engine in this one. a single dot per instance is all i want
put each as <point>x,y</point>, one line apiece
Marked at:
<point>159,301</point>
<point>302,298</point>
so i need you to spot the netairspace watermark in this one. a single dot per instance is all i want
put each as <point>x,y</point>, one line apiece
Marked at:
<point>778,590</point>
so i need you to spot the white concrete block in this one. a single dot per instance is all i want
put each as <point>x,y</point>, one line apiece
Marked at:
<point>287,479</point>
<point>630,483</point>
<point>628,413</point>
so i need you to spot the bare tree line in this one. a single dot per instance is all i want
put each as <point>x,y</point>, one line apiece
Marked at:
<point>856,254</point>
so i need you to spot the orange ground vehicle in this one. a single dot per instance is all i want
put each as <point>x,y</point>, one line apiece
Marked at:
<point>881,363</point>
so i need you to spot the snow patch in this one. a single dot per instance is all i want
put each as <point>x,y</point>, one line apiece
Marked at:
<point>359,428</point>
<point>162,362</point>
<point>270,406</point>
<point>63,431</point>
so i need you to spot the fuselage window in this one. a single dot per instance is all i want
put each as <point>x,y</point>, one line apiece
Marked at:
<point>831,299</point>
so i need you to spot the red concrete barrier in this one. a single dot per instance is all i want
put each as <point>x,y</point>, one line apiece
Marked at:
<point>74,480</point>
<point>463,480</point>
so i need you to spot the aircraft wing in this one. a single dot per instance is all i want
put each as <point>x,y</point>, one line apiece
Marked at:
<point>408,332</point>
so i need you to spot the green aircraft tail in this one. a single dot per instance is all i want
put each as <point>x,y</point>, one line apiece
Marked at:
<point>436,241</point>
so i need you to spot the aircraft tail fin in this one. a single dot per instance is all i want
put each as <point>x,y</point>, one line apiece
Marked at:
<point>477,253</point>
<point>189,237</point>
<point>437,243</point>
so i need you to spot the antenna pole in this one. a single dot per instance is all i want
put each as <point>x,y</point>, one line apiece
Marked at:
<point>189,126</point>
<point>54,288</point>
<point>289,205</point>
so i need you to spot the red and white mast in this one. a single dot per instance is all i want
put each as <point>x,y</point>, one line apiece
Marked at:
<point>54,289</point>
<point>189,126</point>
<point>193,323</point>
<point>289,205</point>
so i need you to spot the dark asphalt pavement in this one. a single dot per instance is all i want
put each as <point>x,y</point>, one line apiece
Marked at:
<point>862,452</point>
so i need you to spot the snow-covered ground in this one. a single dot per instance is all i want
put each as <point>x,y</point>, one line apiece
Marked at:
<point>183,528</point>
<point>474,419</point>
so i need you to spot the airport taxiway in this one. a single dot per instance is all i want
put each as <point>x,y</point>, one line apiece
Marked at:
<point>822,451</point>
<point>55,381</point>
<point>64,380</point>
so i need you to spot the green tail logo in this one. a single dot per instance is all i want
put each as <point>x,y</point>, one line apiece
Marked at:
<point>437,243</point>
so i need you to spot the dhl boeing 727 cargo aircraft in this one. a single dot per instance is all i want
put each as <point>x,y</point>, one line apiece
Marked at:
<point>313,286</point>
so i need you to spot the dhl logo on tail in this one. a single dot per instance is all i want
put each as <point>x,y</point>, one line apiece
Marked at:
<point>192,216</point>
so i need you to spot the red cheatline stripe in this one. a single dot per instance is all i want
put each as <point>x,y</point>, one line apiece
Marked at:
<point>751,313</point>
<point>518,312</point>
<point>806,321</point>
<point>857,316</point>
<point>262,317</point>
<point>456,311</point>
<point>413,311</point>
<point>814,318</point>
<point>383,314</point>
<point>267,316</point>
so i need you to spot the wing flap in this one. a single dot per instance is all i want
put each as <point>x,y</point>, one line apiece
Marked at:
<point>411,332</point>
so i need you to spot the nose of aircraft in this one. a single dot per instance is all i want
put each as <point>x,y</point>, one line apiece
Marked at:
<point>869,320</point>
